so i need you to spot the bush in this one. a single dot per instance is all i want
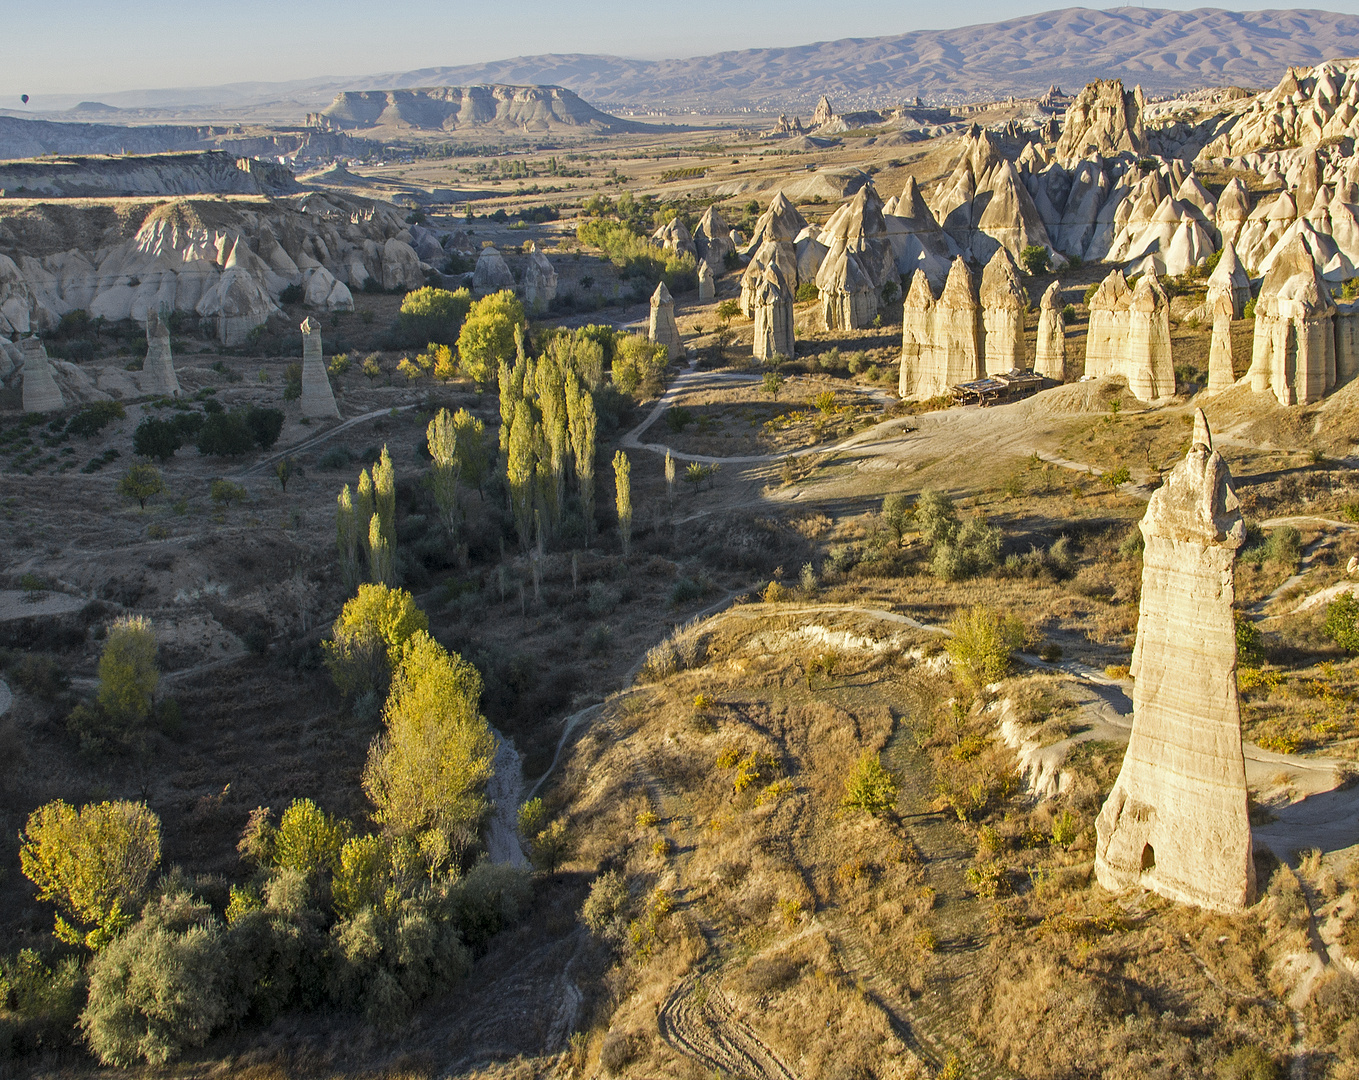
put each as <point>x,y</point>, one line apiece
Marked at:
<point>981,644</point>
<point>870,787</point>
<point>93,418</point>
<point>158,439</point>
<point>368,637</point>
<point>93,863</point>
<point>1342,622</point>
<point>805,292</point>
<point>265,425</point>
<point>1283,545</point>
<point>292,381</point>
<point>433,315</point>
<point>1248,1063</point>
<point>291,294</point>
<point>224,492</point>
<point>605,907</point>
<point>40,1003</point>
<point>128,673</point>
<point>160,988</point>
<point>487,335</point>
<point>638,364</point>
<point>1249,649</point>
<point>141,482</point>
<point>1034,259</point>
<point>225,434</point>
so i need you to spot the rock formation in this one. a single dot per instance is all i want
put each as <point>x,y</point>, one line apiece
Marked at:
<point>540,281</point>
<point>1221,361</point>
<point>772,304</point>
<point>1050,352</point>
<point>1149,368</point>
<point>318,400</point>
<point>915,236</point>
<point>1229,277</point>
<point>1176,821</point>
<point>920,377</point>
<point>1293,353</point>
<point>779,254</point>
<point>674,238</point>
<point>941,340</point>
<point>1306,107</point>
<point>707,288</point>
<point>824,114</point>
<point>1004,303</point>
<point>858,262</point>
<point>1104,119</point>
<point>41,394</point>
<point>1107,333</point>
<point>662,328</point>
<point>712,240</point>
<point>492,273</point>
<point>983,204</point>
<point>780,221</point>
<point>158,369</point>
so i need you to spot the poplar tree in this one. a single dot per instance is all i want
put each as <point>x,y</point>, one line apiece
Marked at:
<point>669,476</point>
<point>380,568</point>
<point>582,421</point>
<point>384,498</point>
<point>347,539</point>
<point>442,439</point>
<point>520,470</point>
<point>363,509</point>
<point>622,483</point>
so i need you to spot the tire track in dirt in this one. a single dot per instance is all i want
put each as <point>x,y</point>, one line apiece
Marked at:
<point>698,1021</point>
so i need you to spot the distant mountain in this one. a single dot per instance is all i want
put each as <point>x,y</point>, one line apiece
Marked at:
<point>502,109</point>
<point>1163,50</point>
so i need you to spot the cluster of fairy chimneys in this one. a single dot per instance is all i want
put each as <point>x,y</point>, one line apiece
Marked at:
<point>538,284</point>
<point>41,394</point>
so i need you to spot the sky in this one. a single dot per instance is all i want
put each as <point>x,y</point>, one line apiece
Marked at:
<point>89,47</point>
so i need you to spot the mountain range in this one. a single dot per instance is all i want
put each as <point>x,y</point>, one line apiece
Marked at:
<point>1165,51</point>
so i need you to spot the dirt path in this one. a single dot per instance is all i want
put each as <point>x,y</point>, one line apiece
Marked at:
<point>317,440</point>
<point>507,780</point>
<point>698,1020</point>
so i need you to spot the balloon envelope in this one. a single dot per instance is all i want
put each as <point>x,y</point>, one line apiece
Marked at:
<point>23,98</point>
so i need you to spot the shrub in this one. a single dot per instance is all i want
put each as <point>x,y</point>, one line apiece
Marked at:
<point>981,644</point>
<point>291,294</point>
<point>141,482</point>
<point>160,988</point>
<point>1249,650</point>
<point>638,364</point>
<point>1065,829</point>
<point>1034,259</point>
<point>225,492</point>
<point>1342,622</point>
<point>40,1002</point>
<point>158,438</point>
<point>433,315</point>
<point>93,418</point>
<point>308,840</point>
<point>487,335</point>
<point>292,382</point>
<point>805,292</point>
<point>870,787</point>
<point>604,908</point>
<point>988,879</point>
<point>265,426</point>
<point>93,863</point>
<point>225,434</point>
<point>1248,1063</point>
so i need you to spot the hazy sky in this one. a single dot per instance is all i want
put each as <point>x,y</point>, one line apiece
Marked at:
<point>89,47</point>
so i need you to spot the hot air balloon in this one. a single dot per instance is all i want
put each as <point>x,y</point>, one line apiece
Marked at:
<point>23,98</point>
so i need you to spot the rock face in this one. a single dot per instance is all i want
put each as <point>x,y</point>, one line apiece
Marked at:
<point>1306,107</point>
<point>662,329</point>
<point>1104,119</point>
<point>318,400</point>
<point>857,263</point>
<point>158,370</point>
<point>1221,360</point>
<point>540,281</point>
<point>1176,821</point>
<point>780,221</point>
<point>779,254</point>
<point>940,340</point>
<point>1293,352</point>
<point>707,288</point>
<point>1229,277</point>
<point>674,238</point>
<point>492,273</point>
<point>772,303</point>
<point>1003,303</point>
<point>1050,352</point>
<point>41,394</point>
<point>712,240</point>
<point>1129,335</point>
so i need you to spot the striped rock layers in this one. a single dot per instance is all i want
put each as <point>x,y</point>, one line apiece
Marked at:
<point>318,400</point>
<point>662,328</point>
<point>1050,353</point>
<point>1176,821</point>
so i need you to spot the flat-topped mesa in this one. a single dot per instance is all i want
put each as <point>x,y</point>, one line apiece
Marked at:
<point>318,400</point>
<point>707,287</point>
<point>158,369</point>
<point>41,393</point>
<point>1050,351</point>
<point>1176,821</point>
<point>772,304</point>
<point>920,377</point>
<point>1104,119</point>
<point>1294,348</point>
<point>1004,302</point>
<point>540,281</point>
<point>662,328</point>
<point>1221,358</point>
<point>1149,369</point>
<point>491,273</point>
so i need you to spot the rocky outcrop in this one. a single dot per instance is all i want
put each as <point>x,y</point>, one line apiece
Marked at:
<point>1107,333</point>
<point>491,107</point>
<point>857,264</point>
<point>1221,359</point>
<point>1104,119</point>
<point>540,281</point>
<point>318,399</point>
<point>492,273</point>
<point>1050,351</point>
<point>918,243</point>
<point>1228,277</point>
<point>662,328</point>
<point>674,238</point>
<point>1304,109</point>
<point>941,340</point>
<point>1176,821</point>
<point>707,287</point>
<point>780,222</point>
<point>40,389</point>
<point>983,204</point>
<point>1293,352</point>
<point>712,240</point>
<point>158,369</point>
<point>772,304</point>
<point>1149,369</point>
<point>779,254</point>
<point>1004,303</point>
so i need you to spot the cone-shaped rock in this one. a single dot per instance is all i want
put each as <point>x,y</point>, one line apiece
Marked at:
<point>712,239</point>
<point>1176,821</point>
<point>921,376</point>
<point>540,281</point>
<point>1003,303</point>
<point>1221,361</point>
<point>41,393</point>
<point>1104,119</point>
<point>777,253</point>
<point>675,238</point>
<point>849,295</point>
<point>707,288</point>
<point>957,329</point>
<point>780,221</point>
<point>772,302</point>
<point>318,400</point>
<point>158,369</point>
<point>492,273</point>
<point>1293,352</point>
<point>1150,371</point>
<point>662,328</point>
<point>1107,336</point>
<point>1229,276</point>
<point>1050,353</point>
